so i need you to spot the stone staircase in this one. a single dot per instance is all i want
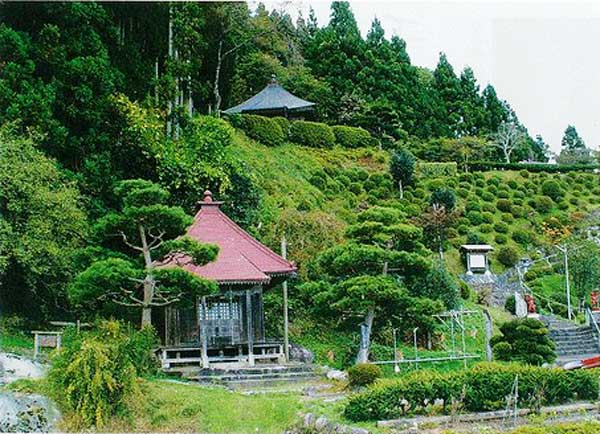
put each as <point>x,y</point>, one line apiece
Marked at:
<point>255,377</point>
<point>573,342</point>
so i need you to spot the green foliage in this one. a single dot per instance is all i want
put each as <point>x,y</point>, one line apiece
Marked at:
<point>145,224</point>
<point>443,197</point>
<point>507,256</point>
<point>436,170</point>
<point>363,374</point>
<point>552,189</point>
<point>402,167</point>
<point>94,375</point>
<point>524,340</point>
<point>482,388</point>
<point>533,167</point>
<point>352,137</point>
<point>263,129</point>
<point>312,134</point>
<point>41,225</point>
<point>504,205</point>
<point>543,204</point>
<point>437,284</point>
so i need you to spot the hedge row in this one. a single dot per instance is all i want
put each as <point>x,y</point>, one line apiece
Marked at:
<point>483,166</point>
<point>276,130</point>
<point>436,170</point>
<point>266,130</point>
<point>481,388</point>
<point>313,134</point>
<point>352,137</point>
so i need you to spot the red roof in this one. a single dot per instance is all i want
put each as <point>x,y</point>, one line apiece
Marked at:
<point>241,258</point>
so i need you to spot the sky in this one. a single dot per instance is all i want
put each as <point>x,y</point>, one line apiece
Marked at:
<point>542,57</point>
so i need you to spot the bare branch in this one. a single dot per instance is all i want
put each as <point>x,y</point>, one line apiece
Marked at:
<point>126,241</point>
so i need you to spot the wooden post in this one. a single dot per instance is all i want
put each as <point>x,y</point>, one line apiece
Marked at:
<point>36,345</point>
<point>488,335</point>
<point>286,327</point>
<point>203,335</point>
<point>249,329</point>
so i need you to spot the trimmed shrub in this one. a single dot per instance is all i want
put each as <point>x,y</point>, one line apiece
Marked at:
<point>488,197</point>
<point>483,387</point>
<point>501,228</point>
<point>472,205</point>
<point>507,218</point>
<point>503,194</point>
<point>488,217</point>
<point>363,374</point>
<point>510,304</point>
<point>501,239</point>
<point>508,256</point>
<point>527,340</point>
<point>543,204</point>
<point>552,189</point>
<point>503,205</point>
<point>522,237</point>
<point>512,184</point>
<point>486,228</point>
<point>352,137</point>
<point>263,129</point>
<point>283,123</point>
<point>517,211</point>
<point>436,170</point>
<point>475,217</point>
<point>312,134</point>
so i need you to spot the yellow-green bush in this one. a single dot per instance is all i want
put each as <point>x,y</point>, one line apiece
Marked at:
<point>313,134</point>
<point>352,137</point>
<point>94,376</point>
<point>436,170</point>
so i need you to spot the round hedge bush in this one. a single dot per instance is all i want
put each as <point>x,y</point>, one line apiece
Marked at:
<point>543,204</point>
<point>551,188</point>
<point>501,239</point>
<point>363,374</point>
<point>488,217</point>
<point>522,237</point>
<point>504,205</point>
<point>472,205</point>
<point>486,228</point>
<point>475,217</point>
<point>508,256</point>
<point>501,228</point>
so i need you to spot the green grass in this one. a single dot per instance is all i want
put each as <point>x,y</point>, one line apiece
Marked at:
<point>192,408</point>
<point>18,343</point>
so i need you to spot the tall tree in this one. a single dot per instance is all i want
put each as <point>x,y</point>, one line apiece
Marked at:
<point>146,225</point>
<point>448,87</point>
<point>508,138</point>
<point>573,149</point>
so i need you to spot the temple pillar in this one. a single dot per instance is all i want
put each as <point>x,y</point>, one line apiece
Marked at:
<point>203,335</point>
<point>249,327</point>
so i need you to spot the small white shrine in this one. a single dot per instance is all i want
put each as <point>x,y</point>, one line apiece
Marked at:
<point>477,258</point>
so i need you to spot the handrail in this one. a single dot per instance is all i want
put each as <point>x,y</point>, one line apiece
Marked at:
<point>592,320</point>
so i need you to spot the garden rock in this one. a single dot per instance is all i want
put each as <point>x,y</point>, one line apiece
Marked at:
<point>300,354</point>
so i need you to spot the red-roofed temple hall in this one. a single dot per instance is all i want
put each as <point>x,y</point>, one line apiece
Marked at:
<point>228,327</point>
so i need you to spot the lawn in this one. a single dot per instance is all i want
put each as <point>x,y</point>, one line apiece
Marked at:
<point>189,407</point>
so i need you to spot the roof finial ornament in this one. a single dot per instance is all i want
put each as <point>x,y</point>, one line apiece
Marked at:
<point>208,196</point>
<point>273,79</point>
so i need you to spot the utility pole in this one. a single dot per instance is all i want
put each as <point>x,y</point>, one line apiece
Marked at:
<point>286,331</point>
<point>565,253</point>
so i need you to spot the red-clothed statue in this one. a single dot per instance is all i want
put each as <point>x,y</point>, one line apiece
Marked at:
<point>530,303</point>
<point>594,301</point>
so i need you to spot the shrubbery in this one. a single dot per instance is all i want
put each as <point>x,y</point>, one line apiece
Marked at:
<point>508,256</point>
<point>523,340</point>
<point>94,376</point>
<point>483,387</point>
<point>313,134</point>
<point>436,170</point>
<point>352,137</point>
<point>263,129</point>
<point>552,189</point>
<point>363,374</point>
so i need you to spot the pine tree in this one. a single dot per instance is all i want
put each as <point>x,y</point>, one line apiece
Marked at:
<point>571,140</point>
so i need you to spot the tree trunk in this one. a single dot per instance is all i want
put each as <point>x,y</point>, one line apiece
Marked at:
<point>441,250</point>
<point>216,92</point>
<point>149,282</point>
<point>363,352</point>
